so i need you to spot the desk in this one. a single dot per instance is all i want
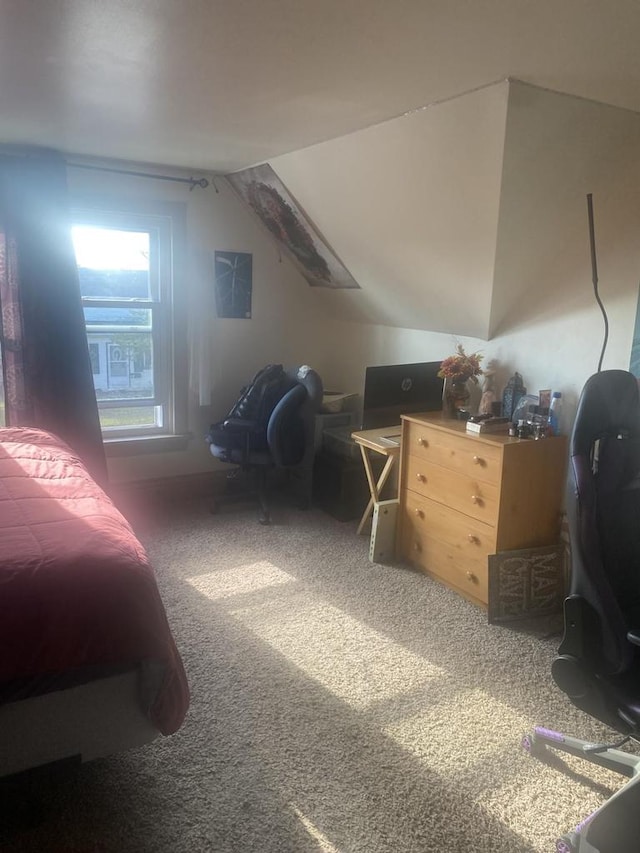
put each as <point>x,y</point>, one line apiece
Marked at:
<point>376,440</point>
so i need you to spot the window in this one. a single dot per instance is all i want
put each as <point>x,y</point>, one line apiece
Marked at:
<point>127,265</point>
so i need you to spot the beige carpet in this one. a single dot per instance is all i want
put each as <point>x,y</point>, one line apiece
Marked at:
<point>338,707</point>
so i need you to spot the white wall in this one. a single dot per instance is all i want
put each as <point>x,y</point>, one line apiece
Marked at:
<point>545,318</point>
<point>533,287</point>
<point>545,322</point>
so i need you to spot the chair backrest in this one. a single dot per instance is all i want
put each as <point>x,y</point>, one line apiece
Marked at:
<point>603,509</point>
<point>290,431</point>
<point>312,382</point>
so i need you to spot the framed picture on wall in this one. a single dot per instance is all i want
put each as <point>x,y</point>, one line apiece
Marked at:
<point>295,234</point>
<point>234,284</point>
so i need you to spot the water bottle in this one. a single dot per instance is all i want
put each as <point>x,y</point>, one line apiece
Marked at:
<point>554,413</point>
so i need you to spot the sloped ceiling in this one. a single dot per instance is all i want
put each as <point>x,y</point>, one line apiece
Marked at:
<point>387,121</point>
<point>221,85</point>
<point>458,217</point>
<point>411,208</point>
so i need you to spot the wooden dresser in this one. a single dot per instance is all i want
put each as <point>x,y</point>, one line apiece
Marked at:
<point>465,496</point>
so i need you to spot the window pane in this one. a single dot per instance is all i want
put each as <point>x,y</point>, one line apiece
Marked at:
<point>94,355</point>
<point>118,319</point>
<point>112,264</point>
<point>124,362</point>
<point>131,418</point>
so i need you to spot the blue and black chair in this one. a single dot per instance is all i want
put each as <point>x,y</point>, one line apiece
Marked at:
<point>270,430</point>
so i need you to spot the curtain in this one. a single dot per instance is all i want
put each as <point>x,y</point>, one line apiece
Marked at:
<point>201,309</point>
<point>47,374</point>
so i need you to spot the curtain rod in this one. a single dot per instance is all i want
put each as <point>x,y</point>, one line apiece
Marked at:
<point>193,182</point>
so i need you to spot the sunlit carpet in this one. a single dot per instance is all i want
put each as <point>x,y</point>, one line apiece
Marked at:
<point>338,706</point>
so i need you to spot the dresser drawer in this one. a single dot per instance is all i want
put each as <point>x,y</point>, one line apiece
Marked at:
<point>470,576</point>
<point>460,453</point>
<point>469,495</point>
<point>470,538</point>
<point>465,496</point>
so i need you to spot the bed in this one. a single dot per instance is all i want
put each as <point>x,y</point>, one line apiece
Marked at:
<point>88,664</point>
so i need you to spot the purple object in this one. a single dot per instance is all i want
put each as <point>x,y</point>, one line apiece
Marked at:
<point>582,825</point>
<point>549,734</point>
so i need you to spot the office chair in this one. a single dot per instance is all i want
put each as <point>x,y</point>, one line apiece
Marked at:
<point>271,427</point>
<point>598,661</point>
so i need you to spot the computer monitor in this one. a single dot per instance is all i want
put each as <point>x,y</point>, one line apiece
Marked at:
<point>392,390</point>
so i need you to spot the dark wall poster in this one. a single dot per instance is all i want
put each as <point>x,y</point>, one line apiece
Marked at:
<point>233,281</point>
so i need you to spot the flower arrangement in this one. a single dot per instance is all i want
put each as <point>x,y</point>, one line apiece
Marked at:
<point>460,367</point>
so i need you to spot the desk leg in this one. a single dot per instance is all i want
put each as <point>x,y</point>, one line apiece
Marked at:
<point>374,488</point>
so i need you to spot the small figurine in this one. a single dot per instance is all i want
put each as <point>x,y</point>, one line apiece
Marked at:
<point>488,394</point>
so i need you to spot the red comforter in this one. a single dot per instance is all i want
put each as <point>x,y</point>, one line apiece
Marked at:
<point>77,591</point>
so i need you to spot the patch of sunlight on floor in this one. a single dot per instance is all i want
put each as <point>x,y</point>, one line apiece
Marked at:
<point>353,661</point>
<point>428,735</point>
<point>322,841</point>
<point>240,580</point>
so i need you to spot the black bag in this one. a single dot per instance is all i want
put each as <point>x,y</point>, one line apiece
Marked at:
<point>258,399</point>
<point>255,405</point>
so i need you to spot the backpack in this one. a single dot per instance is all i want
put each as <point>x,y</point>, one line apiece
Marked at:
<point>256,402</point>
<point>258,399</point>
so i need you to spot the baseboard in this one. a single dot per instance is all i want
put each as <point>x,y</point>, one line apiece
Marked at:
<point>143,500</point>
<point>136,497</point>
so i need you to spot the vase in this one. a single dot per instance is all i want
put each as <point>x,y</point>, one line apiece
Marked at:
<point>456,397</point>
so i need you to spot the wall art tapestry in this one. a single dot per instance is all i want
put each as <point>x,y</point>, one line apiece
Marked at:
<point>234,282</point>
<point>270,200</point>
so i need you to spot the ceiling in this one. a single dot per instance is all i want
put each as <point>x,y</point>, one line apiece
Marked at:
<point>217,85</point>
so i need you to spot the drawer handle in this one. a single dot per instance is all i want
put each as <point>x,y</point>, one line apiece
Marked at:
<point>478,460</point>
<point>476,499</point>
<point>421,478</point>
<point>472,577</point>
<point>419,513</point>
<point>423,442</point>
<point>475,540</point>
<point>417,547</point>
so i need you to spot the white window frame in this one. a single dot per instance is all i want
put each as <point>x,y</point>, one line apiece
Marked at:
<point>165,223</point>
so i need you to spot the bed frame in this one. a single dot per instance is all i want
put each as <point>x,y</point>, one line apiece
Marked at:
<point>89,721</point>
